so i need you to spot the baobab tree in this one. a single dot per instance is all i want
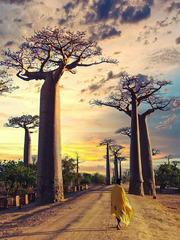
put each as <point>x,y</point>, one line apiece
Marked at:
<point>120,159</point>
<point>131,91</point>
<point>46,56</point>
<point>107,143</point>
<point>126,131</point>
<point>157,103</point>
<point>170,156</point>
<point>5,83</point>
<point>146,156</point>
<point>115,149</point>
<point>29,123</point>
<point>155,151</point>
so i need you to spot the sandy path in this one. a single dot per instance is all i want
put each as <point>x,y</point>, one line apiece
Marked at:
<point>88,217</point>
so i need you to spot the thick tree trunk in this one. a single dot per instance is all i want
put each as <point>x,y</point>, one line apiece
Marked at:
<point>27,147</point>
<point>120,170</point>
<point>108,173</point>
<point>115,168</point>
<point>49,181</point>
<point>146,157</point>
<point>136,180</point>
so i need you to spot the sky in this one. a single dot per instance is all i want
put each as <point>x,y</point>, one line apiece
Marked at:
<point>142,35</point>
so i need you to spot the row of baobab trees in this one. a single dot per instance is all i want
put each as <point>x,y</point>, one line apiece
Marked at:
<point>115,149</point>
<point>129,94</point>
<point>46,56</point>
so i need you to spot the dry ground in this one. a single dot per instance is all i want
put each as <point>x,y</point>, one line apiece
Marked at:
<point>86,215</point>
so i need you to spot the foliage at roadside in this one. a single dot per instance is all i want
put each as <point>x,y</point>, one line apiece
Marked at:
<point>68,170</point>
<point>95,179</point>
<point>86,178</point>
<point>167,174</point>
<point>16,178</point>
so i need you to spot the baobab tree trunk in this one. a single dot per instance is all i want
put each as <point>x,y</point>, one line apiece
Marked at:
<point>108,173</point>
<point>27,147</point>
<point>120,170</point>
<point>115,168</point>
<point>146,157</point>
<point>49,179</point>
<point>136,180</point>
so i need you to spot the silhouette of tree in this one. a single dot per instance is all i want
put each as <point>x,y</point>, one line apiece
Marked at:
<point>28,122</point>
<point>107,143</point>
<point>5,83</point>
<point>46,56</point>
<point>115,149</point>
<point>131,91</point>
<point>175,163</point>
<point>126,131</point>
<point>120,159</point>
<point>155,151</point>
<point>170,156</point>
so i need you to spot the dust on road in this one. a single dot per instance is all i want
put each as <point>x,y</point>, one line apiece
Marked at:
<point>87,217</point>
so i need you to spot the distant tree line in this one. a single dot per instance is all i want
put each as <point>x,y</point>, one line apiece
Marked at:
<point>70,175</point>
<point>17,178</point>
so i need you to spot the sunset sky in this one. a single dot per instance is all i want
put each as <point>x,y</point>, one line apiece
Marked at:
<point>143,35</point>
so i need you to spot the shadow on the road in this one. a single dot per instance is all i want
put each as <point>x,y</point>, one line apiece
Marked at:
<point>68,198</point>
<point>73,230</point>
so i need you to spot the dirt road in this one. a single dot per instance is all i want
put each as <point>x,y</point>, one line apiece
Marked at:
<point>88,217</point>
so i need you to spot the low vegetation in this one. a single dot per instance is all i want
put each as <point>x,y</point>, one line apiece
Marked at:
<point>17,178</point>
<point>167,174</point>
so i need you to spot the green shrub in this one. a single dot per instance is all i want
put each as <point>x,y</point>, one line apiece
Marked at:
<point>167,174</point>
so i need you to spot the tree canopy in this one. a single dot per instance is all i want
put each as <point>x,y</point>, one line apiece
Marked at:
<point>68,170</point>
<point>167,174</point>
<point>6,83</point>
<point>24,121</point>
<point>144,88</point>
<point>16,178</point>
<point>106,141</point>
<point>51,49</point>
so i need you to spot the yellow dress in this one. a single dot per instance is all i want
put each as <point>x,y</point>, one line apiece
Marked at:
<point>120,206</point>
